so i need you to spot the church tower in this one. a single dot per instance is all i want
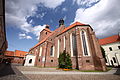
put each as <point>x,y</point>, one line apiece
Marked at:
<point>44,33</point>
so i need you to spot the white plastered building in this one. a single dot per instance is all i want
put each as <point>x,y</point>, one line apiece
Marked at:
<point>30,60</point>
<point>111,45</point>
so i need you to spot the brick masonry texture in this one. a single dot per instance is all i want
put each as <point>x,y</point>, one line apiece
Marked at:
<point>50,38</point>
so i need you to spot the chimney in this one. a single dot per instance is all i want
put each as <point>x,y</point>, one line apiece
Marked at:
<point>61,22</point>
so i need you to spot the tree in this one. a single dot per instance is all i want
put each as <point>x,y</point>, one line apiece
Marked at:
<point>64,60</point>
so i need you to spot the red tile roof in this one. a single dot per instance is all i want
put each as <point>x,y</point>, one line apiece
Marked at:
<point>41,41</point>
<point>108,40</point>
<point>19,53</point>
<point>9,53</point>
<point>71,26</point>
<point>48,30</point>
<point>67,28</point>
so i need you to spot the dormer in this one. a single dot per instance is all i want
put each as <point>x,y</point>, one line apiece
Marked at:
<point>44,33</point>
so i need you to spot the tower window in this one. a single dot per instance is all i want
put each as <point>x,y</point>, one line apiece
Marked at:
<point>46,33</point>
<point>110,48</point>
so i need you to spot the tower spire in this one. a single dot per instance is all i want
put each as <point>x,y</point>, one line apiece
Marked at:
<point>61,22</point>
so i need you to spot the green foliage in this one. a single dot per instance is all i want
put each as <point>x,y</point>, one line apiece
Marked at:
<point>65,60</point>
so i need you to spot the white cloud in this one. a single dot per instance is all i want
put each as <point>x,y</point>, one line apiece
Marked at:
<point>52,3</point>
<point>64,18</point>
<point>24,36</point>
<point>41,15</point>
<point>104,17</point>
<point>17,12</point>
<point>86,3</point>
<point>64,9</point>
<point>31,21</point>
<point>37,29</point>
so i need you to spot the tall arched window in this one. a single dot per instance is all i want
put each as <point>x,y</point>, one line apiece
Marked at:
<point>40,51</point>
<point>51,51</point>
<point>58,48</point>
<point>64,42</point>
<point>84,43</point>
<point>74,46</point>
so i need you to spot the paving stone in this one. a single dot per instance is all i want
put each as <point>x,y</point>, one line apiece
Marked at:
<point>35,73</point>
<point>10,72</point>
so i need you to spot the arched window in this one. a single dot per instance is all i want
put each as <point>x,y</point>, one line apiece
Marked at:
<point>85,50</point>
<point>74,46</point>
<point>64,38</point>
<point>30,61</point>
<point>51,51</point>
<point>58,48</point>
<point>110,48</point>
<point>40,51</point>
<point>114,59</point>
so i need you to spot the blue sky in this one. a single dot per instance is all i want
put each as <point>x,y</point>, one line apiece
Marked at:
<point>26,18</point>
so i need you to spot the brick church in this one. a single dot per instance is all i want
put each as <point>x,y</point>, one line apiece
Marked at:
<point>78,40</point>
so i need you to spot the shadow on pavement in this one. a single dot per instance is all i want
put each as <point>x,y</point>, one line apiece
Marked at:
<point>117,72</point>
<point>6,69</point>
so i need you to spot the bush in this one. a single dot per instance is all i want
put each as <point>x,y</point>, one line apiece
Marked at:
<point>64,60</point>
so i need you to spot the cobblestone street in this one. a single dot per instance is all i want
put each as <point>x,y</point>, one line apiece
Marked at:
<point>34,73</point>
<point>10,72</point>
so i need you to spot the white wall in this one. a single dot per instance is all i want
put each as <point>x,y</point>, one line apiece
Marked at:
<point>28,57</point>
<point>114,53</point>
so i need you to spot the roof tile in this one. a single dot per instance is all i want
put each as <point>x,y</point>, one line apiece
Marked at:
<point>108,40</point>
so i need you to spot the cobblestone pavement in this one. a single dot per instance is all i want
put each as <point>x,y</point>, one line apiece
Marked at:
<point>73,77</point>
<point>10,72</point>
<point>35,73</point>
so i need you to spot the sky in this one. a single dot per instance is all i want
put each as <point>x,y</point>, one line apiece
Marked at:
<point>26,18</point>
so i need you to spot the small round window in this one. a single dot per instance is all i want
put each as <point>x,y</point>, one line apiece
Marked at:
<point>51,60</point>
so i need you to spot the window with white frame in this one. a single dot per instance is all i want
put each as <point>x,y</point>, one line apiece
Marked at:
<point>110,48</point>
<point>58,48</point>
<point>74,46</point>
<point>71,49</point>
<point>52,51</point>
<point>64,42</point>
<point>118,47</point>
<point>40,51</point>
<point>84,43</point>
<point>114,60</point>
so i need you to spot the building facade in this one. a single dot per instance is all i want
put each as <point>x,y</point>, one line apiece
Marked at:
<point>3,40</point>
<point>111,45</point>
<point>16,56</point>
<point>78,40</point>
